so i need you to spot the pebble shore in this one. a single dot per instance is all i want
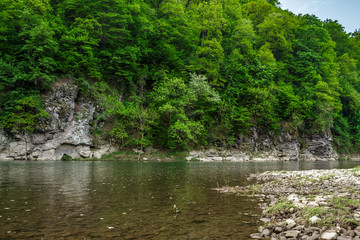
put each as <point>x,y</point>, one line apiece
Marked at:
<point>312,204</point>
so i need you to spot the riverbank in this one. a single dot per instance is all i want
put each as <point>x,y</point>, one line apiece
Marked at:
<point>151,155</point>
<point>313,204</point>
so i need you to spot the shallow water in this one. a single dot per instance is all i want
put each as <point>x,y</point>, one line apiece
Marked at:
<point>131,200</point>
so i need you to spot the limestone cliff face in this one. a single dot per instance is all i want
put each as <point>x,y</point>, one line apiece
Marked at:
<point>285,146</point>
<point>66,132</point>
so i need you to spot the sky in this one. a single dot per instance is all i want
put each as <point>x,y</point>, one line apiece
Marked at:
<point>347,12</point>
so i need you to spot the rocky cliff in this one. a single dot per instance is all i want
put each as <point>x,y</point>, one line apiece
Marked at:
<point>285,146</point>
<point>65,133</point>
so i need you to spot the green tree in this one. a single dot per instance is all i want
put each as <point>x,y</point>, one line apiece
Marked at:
<point>210,53</point>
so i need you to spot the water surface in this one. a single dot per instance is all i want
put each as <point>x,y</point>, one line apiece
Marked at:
<point>131,200</point>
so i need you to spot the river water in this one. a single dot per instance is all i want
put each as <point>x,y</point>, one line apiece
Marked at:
<point>131,200</point>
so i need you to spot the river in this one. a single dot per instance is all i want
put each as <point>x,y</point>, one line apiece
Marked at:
<point>131,200</point>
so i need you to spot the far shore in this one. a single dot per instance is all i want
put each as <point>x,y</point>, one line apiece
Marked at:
<point>210,155</point>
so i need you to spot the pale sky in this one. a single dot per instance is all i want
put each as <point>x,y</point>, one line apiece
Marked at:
<point>347,12</point>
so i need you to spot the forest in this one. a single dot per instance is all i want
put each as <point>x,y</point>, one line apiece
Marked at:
<point>181,74</point>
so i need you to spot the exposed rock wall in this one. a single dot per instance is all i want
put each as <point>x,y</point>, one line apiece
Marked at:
<point>286,146</point>
<point>66,132</point>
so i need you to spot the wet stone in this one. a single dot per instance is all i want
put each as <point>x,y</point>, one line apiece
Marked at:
<point>265,220</point>
<point>256,236</point>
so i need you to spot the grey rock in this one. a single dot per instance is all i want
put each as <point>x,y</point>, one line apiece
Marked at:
<point>314,220</point>
<point>315,236</point>
<point>290,223</point>
<point>4,140</point>
<point>278,229</point>
<point>37,138</point>
<point>323,229</point>
<point>351,233</point>
<point>329,235</point>
<point>344,238</point>
<point>265,220</point>
<point>6,158</point>
<point>65,132</point>
<point>256,236</point>
<point>84,151</point>
<point>292,234</point>
<point>315,229</point>
<point>272,147</point>
<point>104,149</point>
<point>266,232</point>
<point>299,228</point>
<point>17,149</point>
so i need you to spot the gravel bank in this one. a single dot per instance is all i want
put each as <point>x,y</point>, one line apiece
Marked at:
<point>313,204</point>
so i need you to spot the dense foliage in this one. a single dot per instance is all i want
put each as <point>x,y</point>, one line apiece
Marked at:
<point>183,73</point>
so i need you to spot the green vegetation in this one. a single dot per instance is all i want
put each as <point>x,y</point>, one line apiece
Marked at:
<point>340,211</point>
<point>183,74</point>
<point>321,212</point>
<point>356,169</point>
<point>324,177</point>
<point>281,208</point>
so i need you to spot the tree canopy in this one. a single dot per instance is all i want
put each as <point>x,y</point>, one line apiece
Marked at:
<point>189,73</point>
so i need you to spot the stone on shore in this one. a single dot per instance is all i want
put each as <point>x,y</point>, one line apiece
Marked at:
<point>292,234</point>
<point>298,203</point>
<point>329,235</point>
<point>314,220</point>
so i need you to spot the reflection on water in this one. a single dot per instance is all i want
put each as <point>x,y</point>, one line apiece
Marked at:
<point>130,200</point>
